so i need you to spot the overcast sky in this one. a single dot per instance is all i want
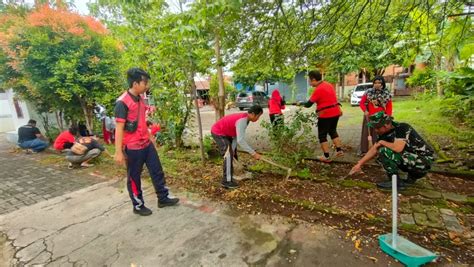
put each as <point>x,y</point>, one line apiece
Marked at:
<point>81,5</point>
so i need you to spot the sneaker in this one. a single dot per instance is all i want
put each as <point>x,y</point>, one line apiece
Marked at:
<point>230,185</point>
<point>324,159</point>
<point>339,154</point>
<point>167,202</point>
<point>142,211</point>
<point>387,185</point>
<point>70,166</point>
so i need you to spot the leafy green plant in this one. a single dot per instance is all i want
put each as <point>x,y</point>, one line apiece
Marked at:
<point>460,108</point>
<point>289,142</point>
<point>458,82</point>
<point>423,78</point>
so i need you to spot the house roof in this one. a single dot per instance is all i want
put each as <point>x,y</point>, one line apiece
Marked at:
<point>202,84</point>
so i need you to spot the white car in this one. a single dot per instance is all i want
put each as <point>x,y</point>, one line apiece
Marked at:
<point>358,92</point>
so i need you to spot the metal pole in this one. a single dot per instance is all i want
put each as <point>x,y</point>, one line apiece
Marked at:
<point>394,211</point>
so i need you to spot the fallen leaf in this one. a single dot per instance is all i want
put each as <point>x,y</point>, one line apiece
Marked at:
<point>373,258</point>
<point>357,245</point>
<point>452,235</point>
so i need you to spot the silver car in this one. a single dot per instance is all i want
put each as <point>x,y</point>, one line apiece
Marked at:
<point>248,99</point>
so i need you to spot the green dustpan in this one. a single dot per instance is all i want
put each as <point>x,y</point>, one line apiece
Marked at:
<point>400,248</point>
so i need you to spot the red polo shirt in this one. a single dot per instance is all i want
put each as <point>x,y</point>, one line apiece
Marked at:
<point>132,108</point>
<point>324,95</point>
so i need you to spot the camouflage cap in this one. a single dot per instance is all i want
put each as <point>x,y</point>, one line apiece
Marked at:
<point>379,119</point>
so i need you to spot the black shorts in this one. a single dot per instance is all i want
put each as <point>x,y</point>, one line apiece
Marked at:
<point>327,126</point>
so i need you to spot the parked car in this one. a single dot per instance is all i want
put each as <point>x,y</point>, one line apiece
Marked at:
<point>358,92</point>
<point>248,99</point>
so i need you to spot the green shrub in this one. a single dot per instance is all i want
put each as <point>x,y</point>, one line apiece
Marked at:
<point>289,142</point>
<point>425,78</point>
<point>460,108</point>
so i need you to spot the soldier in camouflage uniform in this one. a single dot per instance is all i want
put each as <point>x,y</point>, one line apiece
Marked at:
<point>400,148</point>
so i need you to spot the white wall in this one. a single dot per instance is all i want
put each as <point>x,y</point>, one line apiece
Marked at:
<point>9,120</point>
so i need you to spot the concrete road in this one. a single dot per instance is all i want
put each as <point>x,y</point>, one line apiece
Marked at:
<point>95,226</point>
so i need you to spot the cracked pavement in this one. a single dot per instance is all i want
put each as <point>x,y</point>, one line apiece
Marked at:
<point>86,223</point>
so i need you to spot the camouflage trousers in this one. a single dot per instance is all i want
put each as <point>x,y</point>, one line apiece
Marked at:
<point>416,166</point>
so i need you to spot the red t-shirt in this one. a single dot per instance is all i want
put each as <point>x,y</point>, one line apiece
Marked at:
<point>374,109</point>
<point>127,108</point>
<point>64,137</point>
<point>324,95</point>
<point>226,126</point>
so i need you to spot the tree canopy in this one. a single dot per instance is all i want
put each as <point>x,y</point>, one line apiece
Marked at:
<point>59,60</point>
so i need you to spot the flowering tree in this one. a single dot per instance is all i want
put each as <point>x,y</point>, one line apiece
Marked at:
<point>59,60</point>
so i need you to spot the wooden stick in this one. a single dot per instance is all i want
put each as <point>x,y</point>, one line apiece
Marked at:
<point>278,165</point>
<point>369,136</point>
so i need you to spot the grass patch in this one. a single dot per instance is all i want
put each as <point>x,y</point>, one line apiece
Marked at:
<point>304,174</point>
<point>53,159</point>
<point>441,203</point>
<point>464,209</point>
<point>306,204</point>
<point>412,228</point>
<point>425,116</point>
<point>376,221</point>
<point>470,201</point>
<point>357,183</point>
<point>353,115</point>
<point>258,167</point>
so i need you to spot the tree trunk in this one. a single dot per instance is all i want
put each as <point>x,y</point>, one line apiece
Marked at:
<point>198,115</point>
<point>342,86</point>
<point>220,105</point>
<point>87,115</point>
<point>59,119</point>
<point>179,129</point>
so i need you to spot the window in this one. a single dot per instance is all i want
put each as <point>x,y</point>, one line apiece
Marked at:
<point>361,88</point>
<point>19,111</point>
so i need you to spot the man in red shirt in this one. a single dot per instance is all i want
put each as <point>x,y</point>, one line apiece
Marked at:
<point>228,132</point>
<point>133,144</point>
<point>66,139</point>
<point>328,110</point>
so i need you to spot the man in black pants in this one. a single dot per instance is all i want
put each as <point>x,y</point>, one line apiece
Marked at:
<point>230,131</point>
<point>134,146</point>
<point>328,110</point>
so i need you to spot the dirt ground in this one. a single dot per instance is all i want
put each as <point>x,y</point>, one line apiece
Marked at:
<point>318,194</point>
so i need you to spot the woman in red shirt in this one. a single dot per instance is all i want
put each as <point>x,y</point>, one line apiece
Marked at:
<point>374,100</point>
<point>275,106</point>
<point>329,111</point>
